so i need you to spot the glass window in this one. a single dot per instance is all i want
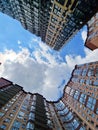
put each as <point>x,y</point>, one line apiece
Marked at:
<point>72,92</point>
<point>23,126</point>
<point>69,116</point>
<point>14,110</point>
<point>82,98</point>
<point>11,114</point>
<point>57,10</point>
<point>61,2</point>
<point>30,126</point>
<point>75,123</point>
<point>5,108</point>
<point>76,95</point>
<point>63,112</point>
<point>54,19</point>
<point>95,83</point>
<point>3,127</point>
<point>84,72</point>
<point>16,125</point>
<point>82,80</point>
<point>91,103</point>
<point>24,107</point>
<point>82,128</point>
<point>1,114</point>
<point>96,110</point>
<point>91,72</point>
<point>20,115</point>
<point>7,120</point>
<point>96,71</point>
<point>32,108</point>
<point>31,116</point>
<point>8,105</point>
<point>60,105</point>
<point>74,79</point>
<point>52,27</point>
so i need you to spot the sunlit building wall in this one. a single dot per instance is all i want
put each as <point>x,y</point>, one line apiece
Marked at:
<point>92,38</point>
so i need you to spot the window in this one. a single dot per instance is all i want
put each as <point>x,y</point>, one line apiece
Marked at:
<point>95,83</point>
<point>16,125</point>
<point>11,114</point>
<point>32,108</point>
<point>24,107</point>
<point>31,116</point>
<point>1,114</point>
<point>82,128</point>
<point>8,105</point>
<point>69,116</point>
<point>84,72</point>
<point>91,72</point>
<point>20,115</point>
<point>14,109</point>
<point>3,127</point>
<point>82,98</point>
<point>61,2</point>
<point>82,80</point>
<point>97,110</point>
<point>60,105</point>
<point>63,112</point>
<point>91,103</point>
<point>57,10</point>
<point>75,123</point>
<point>76,95</point>
<point>7,120</point>
<point>52,27</point>
<point>23,126</point>
<point>72,92</point>
<point>30,126</point>
<point>54,19</point>
<point>4,108</point>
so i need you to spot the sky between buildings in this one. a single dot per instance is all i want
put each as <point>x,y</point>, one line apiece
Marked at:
<point>29,62</point>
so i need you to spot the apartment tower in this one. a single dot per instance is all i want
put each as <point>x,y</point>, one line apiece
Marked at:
<point>76,110</point>
<point>55,21</point>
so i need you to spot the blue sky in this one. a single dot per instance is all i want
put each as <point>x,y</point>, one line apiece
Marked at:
<point>29,62</point>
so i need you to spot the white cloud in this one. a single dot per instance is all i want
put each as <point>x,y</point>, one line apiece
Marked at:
<point>19,42</point>
<point>43,73</point>
<point>84,35</point>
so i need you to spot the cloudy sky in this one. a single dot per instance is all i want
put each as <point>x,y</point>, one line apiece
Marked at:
<point>29,62</point>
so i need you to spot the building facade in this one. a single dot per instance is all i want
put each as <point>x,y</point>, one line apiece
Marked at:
<point>92,39</point>
<point>76,110</point>
<point>55,21</point>
<point>81,97</point>
<point>23,111</point>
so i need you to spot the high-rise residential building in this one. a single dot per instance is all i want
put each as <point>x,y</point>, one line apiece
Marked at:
<point>20,110</point>
<point>76,110</point>
<point>55,21</point>
<point>81,97</point>
<point>92,39</point>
